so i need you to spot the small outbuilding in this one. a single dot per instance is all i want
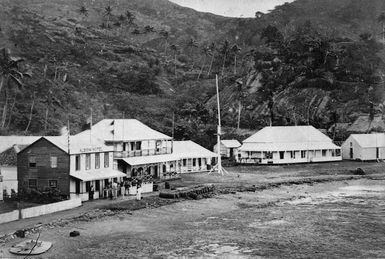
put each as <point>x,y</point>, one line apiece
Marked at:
<point>287,145</point>
<point>228,147</point>
<point>364,147</point>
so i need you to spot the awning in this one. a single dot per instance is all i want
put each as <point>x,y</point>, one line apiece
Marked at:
<point>97,175</point>
<point>143,160</point>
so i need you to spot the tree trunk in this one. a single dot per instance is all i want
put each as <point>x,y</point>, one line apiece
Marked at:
<point>211,65</point>
<point>383,32</point>
<point>46,120</point>
<point>239,115</point>
<point>11,111</point>
<point>1,83</point>
<point>165,47</point>
<point>30,114</point>
<point>235,64</point>
<point>5,107</point>
<point>223,66</point>
<point>175,64</point>
<point>203,65</point>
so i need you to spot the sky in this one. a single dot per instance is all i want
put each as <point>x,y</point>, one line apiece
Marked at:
<point>231,8</point>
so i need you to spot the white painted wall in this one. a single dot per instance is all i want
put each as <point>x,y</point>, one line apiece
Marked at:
<point>359,153</point>
<point>194,169</point>
<point>310,156</point>
<point>9,174</point>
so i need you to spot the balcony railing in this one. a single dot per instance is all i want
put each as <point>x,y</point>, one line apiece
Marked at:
<point>143,152</point>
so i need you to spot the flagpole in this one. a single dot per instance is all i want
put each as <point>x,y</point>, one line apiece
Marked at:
<point>68,135</point>
<point>173,127</point>
<point>218,167</point>
<point>91,128</point>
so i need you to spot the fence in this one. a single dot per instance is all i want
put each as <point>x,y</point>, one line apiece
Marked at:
<point>39,210</point>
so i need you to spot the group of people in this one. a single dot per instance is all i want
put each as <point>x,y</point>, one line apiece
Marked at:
<point>115,189</point>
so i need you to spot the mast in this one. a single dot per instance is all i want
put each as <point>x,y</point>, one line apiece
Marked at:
<point>218,167</point>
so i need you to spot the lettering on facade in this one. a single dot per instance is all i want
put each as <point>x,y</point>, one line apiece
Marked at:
<point>91,149</point>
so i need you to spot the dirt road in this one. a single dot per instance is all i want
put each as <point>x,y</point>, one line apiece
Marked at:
<point>334,219</point>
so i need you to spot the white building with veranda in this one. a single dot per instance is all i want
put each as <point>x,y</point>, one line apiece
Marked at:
<point>288,145</point>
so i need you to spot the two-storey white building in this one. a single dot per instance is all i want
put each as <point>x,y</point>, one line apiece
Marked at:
<point>138,149</point>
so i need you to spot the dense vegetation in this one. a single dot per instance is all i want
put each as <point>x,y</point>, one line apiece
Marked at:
<point>155,61</point>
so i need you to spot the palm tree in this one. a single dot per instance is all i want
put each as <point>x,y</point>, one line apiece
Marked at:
<point>191,44</point>
<point>211,52</point>
<point>174,48</point>
<point>381,19</point>
<point>205,51</point>
<point>130,17</point>
<point>108,13</point>
<point>224,50</point>
<point>83,11</point>
<point>165,36</point>
<point>235,49</point>
<point>10,76</point>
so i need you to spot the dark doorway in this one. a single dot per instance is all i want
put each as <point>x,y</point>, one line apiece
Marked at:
<point>231,152</point>
<point>377,153</point>
<point>156,171</point>
<point>77,186</point>
<point>351,153</point>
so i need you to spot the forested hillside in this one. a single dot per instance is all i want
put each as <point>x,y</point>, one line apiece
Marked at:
<point>305,62</point>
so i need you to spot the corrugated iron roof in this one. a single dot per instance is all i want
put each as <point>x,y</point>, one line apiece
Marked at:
<point>288,134</point>
<point>370,140</point>
<point>123,130</point>
<point>288,138</point>
<point>231,143</point>
<point>190,149</point>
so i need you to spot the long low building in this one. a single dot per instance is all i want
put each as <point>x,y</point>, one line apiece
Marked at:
<point>193,157</point>
<point>364,147</point>
<point>287,145</point>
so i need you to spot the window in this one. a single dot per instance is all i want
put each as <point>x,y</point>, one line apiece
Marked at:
<point>267,155</point>
<point>324,152</point>
<point>292,154</point>
<point>338,152</point>
<point>138,145</point>
<point>97,160</point>
<point>281,154</point>
<point>199,162</point>
<point>303,154</point>
<point>52,183</point>
<point>32,183</point>
<point>158,144</point>
<point>32,161</point>
<point>184,162</point>
<point>194,162</point>
<point>106,160</point>
<point>53,162</point>
<point>88,161</point>
<point>132,144</point>
<point>77,162</point>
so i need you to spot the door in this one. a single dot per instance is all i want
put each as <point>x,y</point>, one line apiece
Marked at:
<point>156,171</point>
<point>351,153</point>
<point>189,164</point>
<point>77,186</point>
<point>377,153</point>
<point>231,152</point>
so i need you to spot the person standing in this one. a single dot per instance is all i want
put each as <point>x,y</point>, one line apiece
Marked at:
<point>91,193</point>
<point>139,190</point>
<point>127,187</point>
<point>114,190</point>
